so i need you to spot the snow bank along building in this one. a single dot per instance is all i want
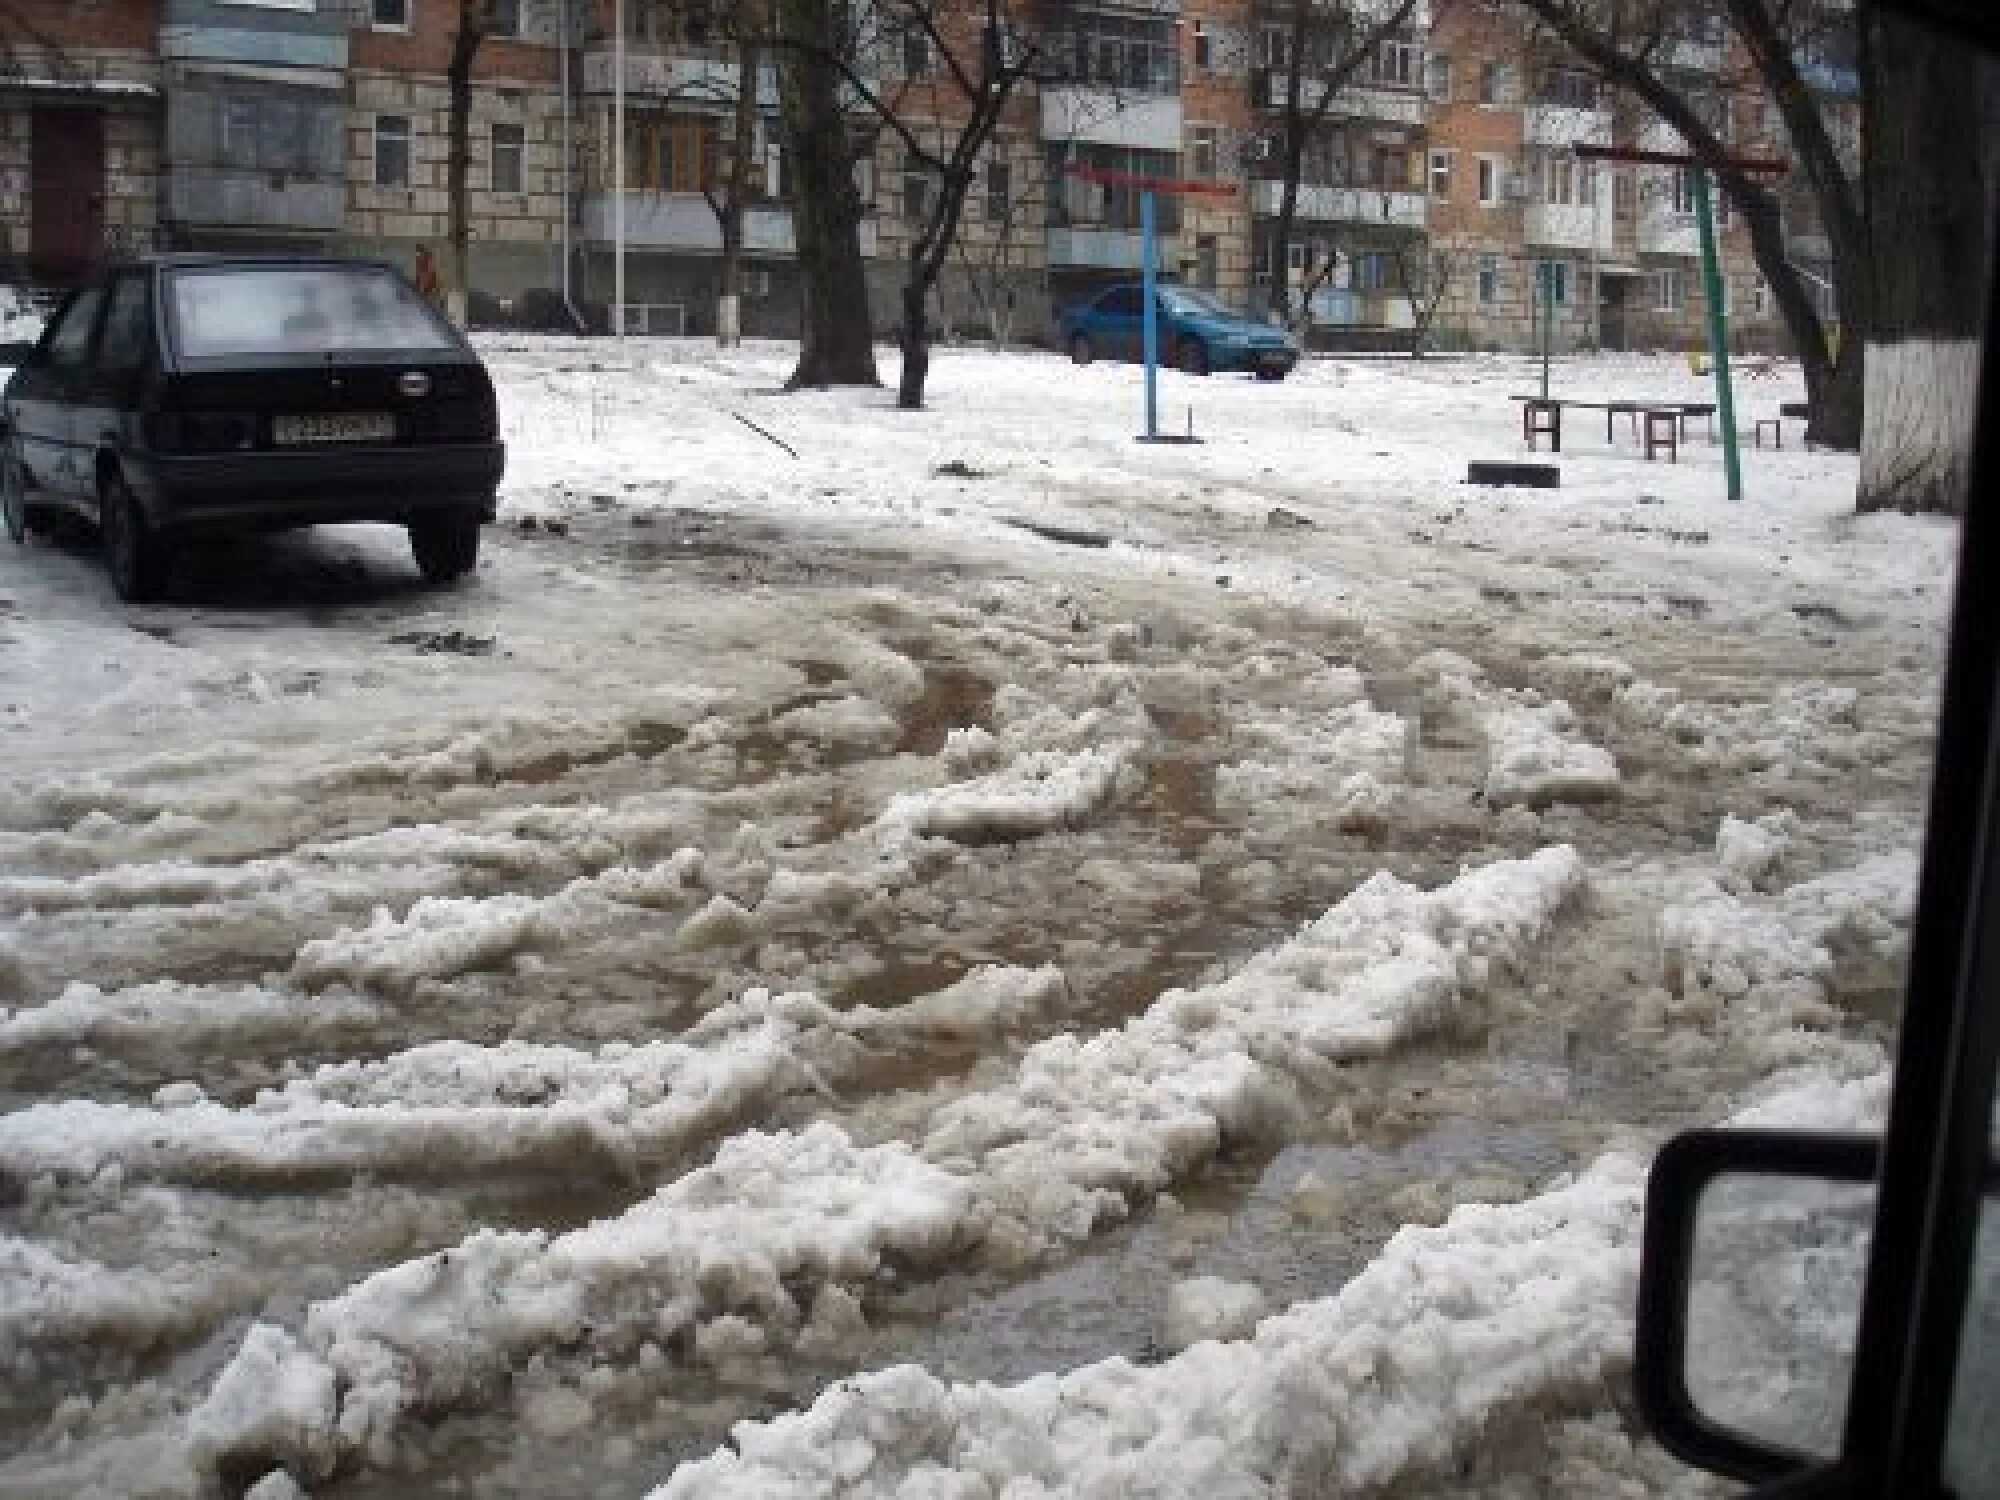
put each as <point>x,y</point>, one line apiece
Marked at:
<point>1440,183</point>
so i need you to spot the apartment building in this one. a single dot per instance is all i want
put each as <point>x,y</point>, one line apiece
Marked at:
<point>1447,165</point>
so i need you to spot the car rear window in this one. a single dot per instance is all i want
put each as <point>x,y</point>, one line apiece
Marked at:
<point>292,309</point>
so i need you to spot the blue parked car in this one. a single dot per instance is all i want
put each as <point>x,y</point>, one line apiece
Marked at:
<point>1198,333</point>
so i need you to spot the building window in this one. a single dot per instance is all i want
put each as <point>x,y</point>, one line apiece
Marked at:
<point>1397,63</point>
<point>671,153</point>
<point>389,15</point>
<point>510,145</point>
<point>1207,261</point>
<point>1668,293</point>
<point>1489,281</point>
<point>1274,47</point>
<point>916,189</point>
<point>999,191</point>
<point>1441,165</point>
<point>1552,281</point>
<point>392,151</point>
<point>1371,270</point>
<point>1204,46</point>
<point>916,54</point>
<point>505,19</point>
<point>1437,78</point>
<point>1569,88</point>
<point>1682,182</point>
<point>238,129</point>
<point>1496,83</point>
<point>1205,152</point>
<point>1492,180</point>
<point>1760,297</point>
<point>1113,51</point>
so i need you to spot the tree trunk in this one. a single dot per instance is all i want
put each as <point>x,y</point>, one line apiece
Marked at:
<point>1931,140</point>
<point>735,199</point>
<point>916,344</point>
<point>836,335</point>
<point>458,158</point>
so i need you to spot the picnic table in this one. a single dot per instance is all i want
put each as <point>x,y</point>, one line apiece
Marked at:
<point>1661,425</point>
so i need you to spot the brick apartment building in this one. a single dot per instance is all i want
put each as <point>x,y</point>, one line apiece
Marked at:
<point>322,123</point>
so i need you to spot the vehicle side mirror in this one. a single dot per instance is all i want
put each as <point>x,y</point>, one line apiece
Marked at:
<point>1750,1289</point>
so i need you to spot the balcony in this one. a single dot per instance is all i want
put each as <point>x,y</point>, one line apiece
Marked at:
<point>685,76</point>
<point>1572,226</point>
<point>684,221</point>
<point>1394,106</point>
<point>1662,231</point>
<point>229,198</point>
<point>1564,125</point>
<point>1323,204</point>
<point>1693,56</point>
<point>1104,249</point>
<point>1104,117</point>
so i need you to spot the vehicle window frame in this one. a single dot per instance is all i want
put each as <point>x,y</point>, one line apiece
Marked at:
<point>148,323</point>
<point>92,292</point>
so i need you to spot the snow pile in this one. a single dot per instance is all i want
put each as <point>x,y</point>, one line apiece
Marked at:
<point>448,1104</point>
<point>1511,1311</point>
<point>48,1299</point>
<point>1534,754</point>
<point>1806,728</point>
<point>1039,792</point>
<point>444,936</point>
<point>1729,945</point>
<point>1350,756</point>
<point>1751,853</point>
<point>771,1214</point>
<point>186,1014</point>
<point>1208,1307</point>
<point>1534,757</point>
<point>519,1105</point>
<point>842,724</point>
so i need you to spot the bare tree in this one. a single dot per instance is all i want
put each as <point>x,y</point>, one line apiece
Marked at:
<point>1640,48</point>
<point>1327,44</point>
<point>474,25</point>
<point>1424,275</point>
<point>987,264</point>
<point>815,50</point>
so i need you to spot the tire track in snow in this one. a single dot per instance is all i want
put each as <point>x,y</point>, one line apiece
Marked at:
<point>1085,1130</point>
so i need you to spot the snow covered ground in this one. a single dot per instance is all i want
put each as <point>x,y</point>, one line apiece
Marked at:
<point>983,956</point>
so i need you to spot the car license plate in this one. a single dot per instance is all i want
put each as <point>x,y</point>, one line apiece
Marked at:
<point>334,427</point>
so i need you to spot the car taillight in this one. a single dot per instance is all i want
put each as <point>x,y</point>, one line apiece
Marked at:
<point>204,431</point>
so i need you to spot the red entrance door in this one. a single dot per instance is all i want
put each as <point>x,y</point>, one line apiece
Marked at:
<point>67,211</point>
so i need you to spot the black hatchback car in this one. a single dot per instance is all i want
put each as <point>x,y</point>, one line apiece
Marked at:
<point>186,395</point>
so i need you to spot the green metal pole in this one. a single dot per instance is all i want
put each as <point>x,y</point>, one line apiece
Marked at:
<point>1546,293</point>
<point>1718,332</point>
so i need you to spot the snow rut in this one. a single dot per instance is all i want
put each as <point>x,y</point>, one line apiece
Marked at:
<point>1086,1129</point>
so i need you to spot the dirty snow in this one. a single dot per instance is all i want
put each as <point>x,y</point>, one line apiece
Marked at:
<point>1186,1013</point>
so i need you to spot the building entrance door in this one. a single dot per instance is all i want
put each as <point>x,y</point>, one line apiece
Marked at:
<point>67,192</point>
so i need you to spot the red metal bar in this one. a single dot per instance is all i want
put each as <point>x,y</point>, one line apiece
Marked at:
<point>1181,187</point>
<point>1767,166</point>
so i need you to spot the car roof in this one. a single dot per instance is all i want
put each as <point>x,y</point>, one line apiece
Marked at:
<point>248,259</point>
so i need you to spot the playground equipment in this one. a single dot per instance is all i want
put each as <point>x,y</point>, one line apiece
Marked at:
<point>1148,187</point>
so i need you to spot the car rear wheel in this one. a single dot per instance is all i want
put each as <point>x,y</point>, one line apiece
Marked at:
<point>1081,351</point>
<point>1192,357</point>
<point>446,544</point>
<point>138,555</point>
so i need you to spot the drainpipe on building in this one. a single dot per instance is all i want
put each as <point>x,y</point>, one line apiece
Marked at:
<point>618,171</point>
<point>568,151</point>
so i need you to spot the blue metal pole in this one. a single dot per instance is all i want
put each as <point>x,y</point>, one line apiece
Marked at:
<point>1148,235</point>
